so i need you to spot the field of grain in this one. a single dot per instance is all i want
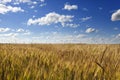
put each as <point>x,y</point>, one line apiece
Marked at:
<point>59,62</point>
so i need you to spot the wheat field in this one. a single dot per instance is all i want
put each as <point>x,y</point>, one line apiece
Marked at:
<point>59,62</point>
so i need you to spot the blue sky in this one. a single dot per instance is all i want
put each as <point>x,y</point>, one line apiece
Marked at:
<point>60,21</point>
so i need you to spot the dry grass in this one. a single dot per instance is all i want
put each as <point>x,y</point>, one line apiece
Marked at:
<point>59,62</point>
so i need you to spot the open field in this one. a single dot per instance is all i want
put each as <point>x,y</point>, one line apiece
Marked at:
<point>59,62</point>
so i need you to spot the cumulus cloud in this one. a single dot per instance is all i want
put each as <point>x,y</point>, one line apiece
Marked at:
<point>44,4</point>
<point>118,36</point>
<point>51,18</point>
<point>9,35</point>
<point>5,1</point>
<point>4,29</point>
<point>15,1</point>
<point>23,31</point>
<point>32,7</point>
<point>20,30</point>
<point>8,32</point>
<point>23,1</point>
<point>34,2</point>
<point>70,25</point>
<point>26,32</point>
<point>70,7</point>
<point>86,18</point>
<point>5,9</point>
<point>116,15</point>
<point>90,30</point>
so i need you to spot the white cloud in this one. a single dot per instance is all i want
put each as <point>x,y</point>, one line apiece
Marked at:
<point>70,7</point>
<point>9,35</point>
<point>23,31</point>
<point>81,36</point>
<point>15,2</point>
<point>28,1</point>
<point>56,37</point>
<point>90,30</point>
<point>20,30</point>
<point>33,16</point>
<point>32,7</point>
<point>64,37</point>
<point>51,18</point>
<point>70,25</point>
<point>34,2</point>
<point>4,29</point>
<point>44,4</point>
<point>116,15</point>
<point>23,1</point>
<point>86,18</point>
<point>67,38</point>
<point>118,36</point>
<point>5,9</point>
<point>42,0</point>
<point>26,32</point>
<point>5,1</point>
<point>8,32</point>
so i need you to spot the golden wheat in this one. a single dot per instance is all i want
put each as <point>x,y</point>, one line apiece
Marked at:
<point>59,62</point>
